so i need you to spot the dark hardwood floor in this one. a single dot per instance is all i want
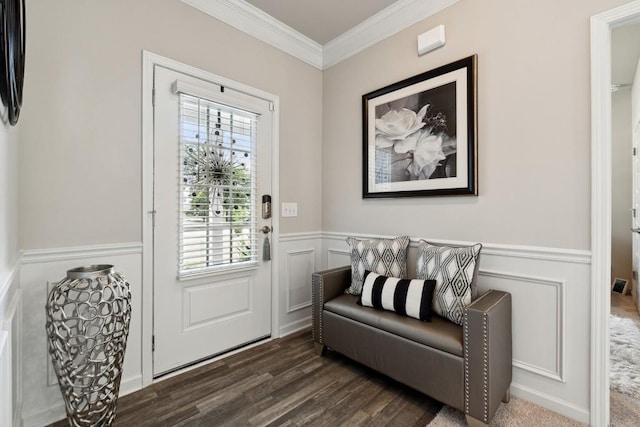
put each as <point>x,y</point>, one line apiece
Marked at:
<point>280,383</point>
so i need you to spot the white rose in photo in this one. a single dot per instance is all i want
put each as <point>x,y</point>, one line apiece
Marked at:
<point>427,155</point>
<point>396,125</point>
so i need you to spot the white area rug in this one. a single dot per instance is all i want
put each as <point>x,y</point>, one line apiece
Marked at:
<point>625,356</point>
<point>516,413</point>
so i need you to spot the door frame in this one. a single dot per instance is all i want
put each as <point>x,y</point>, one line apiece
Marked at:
<point>149,61</point>
<point>601,169</point>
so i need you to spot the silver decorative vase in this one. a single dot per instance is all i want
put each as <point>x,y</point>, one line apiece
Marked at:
<point>88,315</point>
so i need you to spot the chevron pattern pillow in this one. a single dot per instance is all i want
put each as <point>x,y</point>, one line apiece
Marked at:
<point>404,296</point>
<point>383,256</point>
<point>455,270</point>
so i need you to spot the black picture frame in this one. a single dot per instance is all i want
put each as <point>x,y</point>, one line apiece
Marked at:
<point>419,134</point>
<point>12,56</point>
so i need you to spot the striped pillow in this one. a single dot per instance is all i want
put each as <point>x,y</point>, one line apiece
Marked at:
<point>409,297</point>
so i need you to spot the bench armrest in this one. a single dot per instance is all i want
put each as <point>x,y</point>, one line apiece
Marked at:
<point>487,354</point>
<point>326,285</point>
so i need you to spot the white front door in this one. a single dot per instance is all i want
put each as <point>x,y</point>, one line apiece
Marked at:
<point>212,288</point>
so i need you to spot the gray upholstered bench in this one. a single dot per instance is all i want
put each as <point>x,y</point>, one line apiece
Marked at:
<point>467,367</point>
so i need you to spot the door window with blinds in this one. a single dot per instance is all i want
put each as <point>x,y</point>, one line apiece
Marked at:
<point>217,187</point>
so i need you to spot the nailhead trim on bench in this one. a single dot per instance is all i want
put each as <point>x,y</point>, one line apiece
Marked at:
<point>485,379</point>
<point>466,361</point>
<point>485,366</point>
<point>317,311</point>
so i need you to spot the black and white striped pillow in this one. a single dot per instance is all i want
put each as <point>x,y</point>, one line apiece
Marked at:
<point>409,297</point>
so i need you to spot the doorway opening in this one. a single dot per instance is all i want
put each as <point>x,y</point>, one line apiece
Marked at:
<point>602,26</point>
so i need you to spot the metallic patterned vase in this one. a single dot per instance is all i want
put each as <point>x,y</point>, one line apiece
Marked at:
<point>88,316</point>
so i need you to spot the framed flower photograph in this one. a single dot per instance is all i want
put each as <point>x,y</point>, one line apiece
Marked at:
<point>419,135</point>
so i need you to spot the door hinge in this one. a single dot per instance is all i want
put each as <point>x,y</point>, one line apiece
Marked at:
<point>153,343</point>
<point>153,218</point>
<point>634,151</point>
<point>153,97</point>
<point>271,106</point>
<point>633,212</point>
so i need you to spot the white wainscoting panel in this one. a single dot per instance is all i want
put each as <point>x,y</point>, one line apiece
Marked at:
<point>549,287</point>
<point>10,347</point>
<point>338,257</point>
<point>301,264</point>
<point>300,256</point>
<point>40,269</point>
<point>6,386</point>
<point>543,299</point>
<point>550,290</point>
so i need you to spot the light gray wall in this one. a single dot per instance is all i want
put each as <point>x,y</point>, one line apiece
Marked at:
<point>80,159</point>
<point>534,126</point>
<point>8,197</point>
<point>621,195</point>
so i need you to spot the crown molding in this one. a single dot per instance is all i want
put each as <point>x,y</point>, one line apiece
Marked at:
<point>384,24</point>
<point>253,21</point>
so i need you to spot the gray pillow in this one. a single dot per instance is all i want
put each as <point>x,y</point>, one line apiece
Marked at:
<point>387,257</point>
<point>455,270</point>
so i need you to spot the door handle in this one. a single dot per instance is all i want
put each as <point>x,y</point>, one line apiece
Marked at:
<point>266,229</point>
<point>636,230</point>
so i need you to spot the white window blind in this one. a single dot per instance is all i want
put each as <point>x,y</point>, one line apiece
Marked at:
<point>217,227</point>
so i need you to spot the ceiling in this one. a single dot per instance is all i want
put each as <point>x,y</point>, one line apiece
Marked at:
<point>321,20</point>
<point>321,33</point>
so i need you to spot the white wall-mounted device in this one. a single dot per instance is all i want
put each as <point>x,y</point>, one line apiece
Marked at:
<point>430,40</point>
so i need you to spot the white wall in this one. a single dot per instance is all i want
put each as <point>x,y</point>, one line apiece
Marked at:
<point>621,194</point>
<point>534,171</point>
<point>80,151</point>
<point>10,298</point>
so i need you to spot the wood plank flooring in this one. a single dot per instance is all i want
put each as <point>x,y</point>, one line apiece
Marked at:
<point>280,383</point>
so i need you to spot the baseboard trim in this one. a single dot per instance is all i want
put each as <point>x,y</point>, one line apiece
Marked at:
<point>57,412</point>
<point>17,420</point>
<point>293,327</point>
<point>31,256</point>
<point>551,402</point>
<point>44,417</point>
<point>130,385</point>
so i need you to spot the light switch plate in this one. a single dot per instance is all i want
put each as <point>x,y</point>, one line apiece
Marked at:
<point>289,209</point>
